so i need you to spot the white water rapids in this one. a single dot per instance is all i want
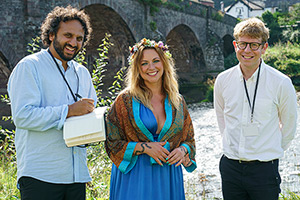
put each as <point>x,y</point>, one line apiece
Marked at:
<point>205,181</point>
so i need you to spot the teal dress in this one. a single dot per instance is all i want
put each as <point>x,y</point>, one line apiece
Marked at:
<point>147,180</point>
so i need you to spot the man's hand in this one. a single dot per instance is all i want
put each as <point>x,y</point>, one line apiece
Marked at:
<point>81,107</point>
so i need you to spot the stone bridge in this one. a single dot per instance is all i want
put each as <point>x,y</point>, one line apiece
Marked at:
<point>199,37</point>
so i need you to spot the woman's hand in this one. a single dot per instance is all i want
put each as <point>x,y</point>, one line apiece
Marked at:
<point>177,155</point>
<point>154,150</point>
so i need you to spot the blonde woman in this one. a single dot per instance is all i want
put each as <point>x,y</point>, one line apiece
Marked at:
<point>149,130</point>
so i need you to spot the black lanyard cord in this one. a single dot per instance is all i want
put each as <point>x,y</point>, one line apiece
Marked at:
<point>255,92</point>
<point>74,97</point>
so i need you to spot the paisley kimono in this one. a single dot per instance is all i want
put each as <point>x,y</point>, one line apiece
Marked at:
<point>140,177</point>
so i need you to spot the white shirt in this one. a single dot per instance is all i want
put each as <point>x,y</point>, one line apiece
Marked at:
<point>39,102</point>
<point>275,113</point>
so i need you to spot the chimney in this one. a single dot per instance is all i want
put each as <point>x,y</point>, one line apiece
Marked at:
<point>222,6</point>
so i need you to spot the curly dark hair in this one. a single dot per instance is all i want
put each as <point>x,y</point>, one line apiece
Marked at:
<point>61,14</point>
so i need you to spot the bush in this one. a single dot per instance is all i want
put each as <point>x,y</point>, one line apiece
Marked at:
<point>230,61</point>
<point>285,58</point>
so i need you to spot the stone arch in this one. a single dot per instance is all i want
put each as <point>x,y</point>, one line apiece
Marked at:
<point>7,55</point>
<point>186,51</point>
<point>228,47</point>
<point>104,20</point>
<point>4,73</point>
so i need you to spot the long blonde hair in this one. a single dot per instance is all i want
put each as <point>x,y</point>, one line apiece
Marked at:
<point>137,87</point>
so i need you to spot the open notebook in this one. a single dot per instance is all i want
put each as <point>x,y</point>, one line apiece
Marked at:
<point>85,129</point>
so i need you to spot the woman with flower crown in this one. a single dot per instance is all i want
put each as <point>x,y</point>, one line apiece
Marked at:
<point>150,134</point>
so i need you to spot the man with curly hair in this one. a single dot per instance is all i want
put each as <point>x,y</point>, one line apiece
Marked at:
<point>45,88</point>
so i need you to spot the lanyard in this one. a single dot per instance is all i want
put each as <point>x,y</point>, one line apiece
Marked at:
<point>77,95</point>
<point>255,91</point>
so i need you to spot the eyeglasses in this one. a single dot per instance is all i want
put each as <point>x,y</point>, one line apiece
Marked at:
<point>253,45</point>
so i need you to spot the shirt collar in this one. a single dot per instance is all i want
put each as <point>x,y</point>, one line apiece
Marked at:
<point>254,75</point>
<point>59,62</point>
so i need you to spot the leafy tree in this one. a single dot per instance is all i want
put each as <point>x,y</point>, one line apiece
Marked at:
<point>284,26</point>
<point>272,24</point>
<point>285,58</point>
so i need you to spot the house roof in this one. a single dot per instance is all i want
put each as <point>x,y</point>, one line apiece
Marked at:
<point>208,1</point>
<point>251,5</point>
<point>203,1</point>
<point>276,3</point>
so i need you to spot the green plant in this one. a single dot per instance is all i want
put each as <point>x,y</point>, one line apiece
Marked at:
<point>289,196</point>
<point>35,46</point>
<point>285,58</point>
<point>8,169</point>
<point>230,61</point>
<point>218,16</point>
<point>153,4</point>
<point>209,94</point>
<point>272,23</point>
<point>174,6</point>
<point>153,26</point>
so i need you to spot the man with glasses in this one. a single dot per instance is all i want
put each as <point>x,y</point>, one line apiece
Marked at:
<point>256,110</point>
<point>45,88</point>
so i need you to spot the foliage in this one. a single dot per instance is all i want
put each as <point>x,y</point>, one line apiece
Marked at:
<point>285,58</point>
<point>209,95</point>
<point>98,161</point>
<point>218,16</point>
<point>8,169</point>
<point>154,7</point>
<point>289,196</point>
<point>153,4</point>
<point>283,25</point>
<point>153,25</point>
<point>272,24</point>
<point>174,6</point>
<point>35,45</point>
<point>230,61</point>
<point>290,18</point>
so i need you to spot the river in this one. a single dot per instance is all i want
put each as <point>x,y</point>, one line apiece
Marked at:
<point>205,181</point>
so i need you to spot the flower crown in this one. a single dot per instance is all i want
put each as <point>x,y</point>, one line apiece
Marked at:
<point>148,43</point>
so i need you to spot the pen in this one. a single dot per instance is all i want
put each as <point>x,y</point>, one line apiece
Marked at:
<point>78,96</point>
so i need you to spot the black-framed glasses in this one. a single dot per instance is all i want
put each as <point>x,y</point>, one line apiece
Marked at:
<point>253,45</point>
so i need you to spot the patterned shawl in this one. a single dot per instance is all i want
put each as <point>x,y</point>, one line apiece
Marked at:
<point>125,129</point>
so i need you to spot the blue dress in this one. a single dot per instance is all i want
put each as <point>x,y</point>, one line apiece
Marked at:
<point>146,181</point>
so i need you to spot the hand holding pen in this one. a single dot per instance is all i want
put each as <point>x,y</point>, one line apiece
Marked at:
<point>81,107</point>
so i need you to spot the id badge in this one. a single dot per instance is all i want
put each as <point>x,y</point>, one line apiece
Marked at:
<point>251,129</point>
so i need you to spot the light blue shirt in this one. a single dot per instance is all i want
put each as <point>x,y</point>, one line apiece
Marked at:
<point>39,103</point>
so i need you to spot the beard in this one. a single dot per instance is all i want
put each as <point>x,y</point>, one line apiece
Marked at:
<point>60,50</point>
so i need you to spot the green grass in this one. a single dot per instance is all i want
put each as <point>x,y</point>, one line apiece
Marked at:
<point>98,189</point>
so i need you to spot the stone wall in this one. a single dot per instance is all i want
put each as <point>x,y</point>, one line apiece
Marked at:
<point>195,33</point>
